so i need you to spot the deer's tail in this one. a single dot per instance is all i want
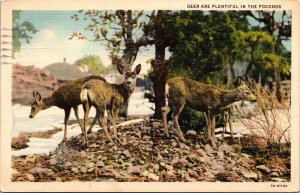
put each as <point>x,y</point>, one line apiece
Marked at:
<point>167,87</point>
<point>84,95</point>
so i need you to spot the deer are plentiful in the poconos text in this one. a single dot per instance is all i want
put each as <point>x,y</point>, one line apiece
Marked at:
<point>203,97</point>
<point>110,97</point>
<point>65,97</point>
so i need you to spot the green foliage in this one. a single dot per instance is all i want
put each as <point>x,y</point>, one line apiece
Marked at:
<point>204,42</point>
<point>94,64</point>
<point>192,119</point>
<point>21,32</point>
<point>269,61</point>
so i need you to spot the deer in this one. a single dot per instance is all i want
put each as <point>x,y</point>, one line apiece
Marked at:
<point>66,97</point>
<point>181,92</point>
<point>110,97</point>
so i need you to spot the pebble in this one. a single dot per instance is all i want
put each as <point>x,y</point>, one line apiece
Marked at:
<point>74,170</point>
<point>153,177</point>
<point>274,174</point>
<point>58,179</point>
<point>89,164</point>
<point>278,180</point>
<point>247,174</point>
<point>100,164</point>
<point>83,169</point>
<point>30,177</point>
<point>263,168</point>
<point>53,162</point>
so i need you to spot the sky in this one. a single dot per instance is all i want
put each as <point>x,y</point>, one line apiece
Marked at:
<point>51,43</point>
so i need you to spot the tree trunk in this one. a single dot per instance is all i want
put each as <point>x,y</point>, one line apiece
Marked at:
<point>230,73</point>
<point>160,71</point>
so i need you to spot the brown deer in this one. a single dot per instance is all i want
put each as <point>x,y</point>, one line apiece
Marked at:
<point>104,96</point>
<point>66,97</point>
<point>210,99</point>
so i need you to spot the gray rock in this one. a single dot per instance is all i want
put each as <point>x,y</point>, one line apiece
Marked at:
<point>68,164</point>
<point>100,164</point>
<point>156,167</point>
<point>220,155</point>
<point>14,171</point>
<point>192,156</point>
<point>250,175</point>
<point>37,170</point>
<point>274,174</point>
<point>263,168</point>
<point>209,174</point>
<point>126,153</point>
<point>162,164</point>
<point>208,149</point>
<point>75,170</point>
<point>52,161</point>
<point>89,164</point>
<point>83,169</point>
<point>278,180</point>
<point>246,156</point>
<point>226,148</point>
<point>174,143</point>
<point>58,179</point>
<point>153,177</point>
<point>134,169</point>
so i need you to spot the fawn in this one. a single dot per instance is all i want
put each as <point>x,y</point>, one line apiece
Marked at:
<point>181,91</point>
<point>110,97</point>
<point>65,97</point>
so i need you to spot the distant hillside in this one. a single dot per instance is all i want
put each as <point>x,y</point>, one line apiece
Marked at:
<point>27,79</point>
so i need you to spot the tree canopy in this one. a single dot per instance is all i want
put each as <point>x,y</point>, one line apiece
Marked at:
<point>94,64</point>
<point>21,32</point>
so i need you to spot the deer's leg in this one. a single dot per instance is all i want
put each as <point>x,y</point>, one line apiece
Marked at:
<point>103,125</point>
<point>212,124</point>
<point>225,124</point>
<point>176,113</point>
<point>93,122</point>
<point>165,110</point>
<point>77,117</point>
<point>86,109</point>
<point>230,124</point>
<point>109,120</point>
<point>67,115</point>
<point>207,119</point>
<point>115,112</point>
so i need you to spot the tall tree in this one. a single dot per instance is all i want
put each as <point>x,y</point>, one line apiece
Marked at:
<point>21,32</point>
<point>278,24</point>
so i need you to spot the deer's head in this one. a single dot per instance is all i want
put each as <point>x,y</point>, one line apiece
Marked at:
<point>37,105</point>
<point>129,75</point>
<point>245,92</point>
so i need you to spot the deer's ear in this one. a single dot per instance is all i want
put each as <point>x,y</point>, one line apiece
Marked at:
<point>121,68</point>
<point>239,80</point>
<point>137,69</point>
<point>38,97</point>
<point>33,94</point>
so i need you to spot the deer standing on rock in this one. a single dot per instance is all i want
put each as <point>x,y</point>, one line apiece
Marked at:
<point>104,96</point>
<point>181,91</point>
<point>66,97</point>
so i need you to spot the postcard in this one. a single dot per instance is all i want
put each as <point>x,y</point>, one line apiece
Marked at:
<point>150,96</point>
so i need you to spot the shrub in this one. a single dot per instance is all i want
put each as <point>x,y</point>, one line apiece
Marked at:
<point>272,119</point>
